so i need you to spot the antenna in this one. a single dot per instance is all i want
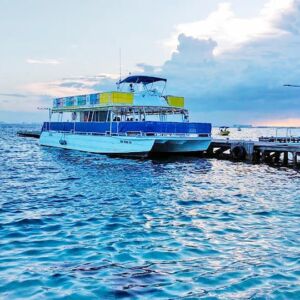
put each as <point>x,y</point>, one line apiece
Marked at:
<point>120,60</point>
<point>120,70</point>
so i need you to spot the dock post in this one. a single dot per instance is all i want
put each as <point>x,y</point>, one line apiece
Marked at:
<point>295,159</point>
<point>285,158</point>
<point>277,157</point>
<point>264,156</point>
<point>249,147</point>
<point>257,156</point>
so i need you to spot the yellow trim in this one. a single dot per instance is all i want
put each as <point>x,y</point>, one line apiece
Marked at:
<point>175,101</point>
<point>116,98</point>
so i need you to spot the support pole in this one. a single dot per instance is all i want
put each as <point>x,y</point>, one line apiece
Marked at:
<point>249,147</point>
<point>110,125</point>
<point>256,156</point>
<point>276,157</point>
<point>285,158</point>
<point>263,157</point>
<point>295,159</point>
<point>50,117</point>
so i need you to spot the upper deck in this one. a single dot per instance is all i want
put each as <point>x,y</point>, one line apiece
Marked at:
<point>140,92</point>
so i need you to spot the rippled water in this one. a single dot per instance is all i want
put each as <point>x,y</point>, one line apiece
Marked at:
<point>83,226</point>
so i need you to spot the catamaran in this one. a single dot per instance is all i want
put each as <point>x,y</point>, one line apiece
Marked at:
<point>137,119</point>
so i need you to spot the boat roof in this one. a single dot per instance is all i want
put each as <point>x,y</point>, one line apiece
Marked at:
<point>142,79</point>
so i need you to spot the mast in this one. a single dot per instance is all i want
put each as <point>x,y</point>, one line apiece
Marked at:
<point>120,69</point>
<point>120,62</point>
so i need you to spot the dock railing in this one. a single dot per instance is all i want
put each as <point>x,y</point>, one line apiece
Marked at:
<point>282,135</point>
<point>288,138</point>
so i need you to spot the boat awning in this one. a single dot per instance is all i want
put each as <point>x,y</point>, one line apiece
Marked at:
<point>142,79</point>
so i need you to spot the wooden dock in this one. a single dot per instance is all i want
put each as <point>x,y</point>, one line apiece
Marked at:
<point>273,153</point>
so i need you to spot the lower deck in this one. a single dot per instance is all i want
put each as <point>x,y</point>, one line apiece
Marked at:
<point>147,128</point>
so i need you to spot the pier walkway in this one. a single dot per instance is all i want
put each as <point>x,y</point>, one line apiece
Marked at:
<point>275,153</point>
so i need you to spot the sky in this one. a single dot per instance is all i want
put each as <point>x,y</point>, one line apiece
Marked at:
<point>230,59</point>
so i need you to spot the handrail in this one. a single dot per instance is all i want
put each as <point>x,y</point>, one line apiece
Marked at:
<point>129,133</point>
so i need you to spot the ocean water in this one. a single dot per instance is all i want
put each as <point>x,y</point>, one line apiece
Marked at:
<point>84,226</point>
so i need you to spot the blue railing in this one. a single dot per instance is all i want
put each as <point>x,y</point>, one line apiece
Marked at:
<point>124,127</point>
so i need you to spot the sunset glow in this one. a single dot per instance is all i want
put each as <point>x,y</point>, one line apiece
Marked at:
<point>279,123</point>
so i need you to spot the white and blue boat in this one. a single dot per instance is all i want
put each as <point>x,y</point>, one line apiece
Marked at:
<point>137,119</point>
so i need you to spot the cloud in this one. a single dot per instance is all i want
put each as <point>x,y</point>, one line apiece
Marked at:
<point>233,69</point>
<point>73,85</point>
<point>45,61</point>
<point>231,31</point>
<point>40,94</point>
<point>28,103</point>
<point>14,95</point>
<point>148,68</point>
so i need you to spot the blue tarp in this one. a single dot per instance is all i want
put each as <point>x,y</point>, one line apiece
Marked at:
<point>123,127</point>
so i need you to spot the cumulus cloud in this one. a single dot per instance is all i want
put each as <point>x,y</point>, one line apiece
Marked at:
<point>234,68</point>
<point>231,31</point>
<point>45,61</point>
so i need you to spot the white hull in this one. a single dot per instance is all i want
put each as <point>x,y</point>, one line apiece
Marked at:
<point>98,144</point>
<point>181,144</point>
<point>124,145</point>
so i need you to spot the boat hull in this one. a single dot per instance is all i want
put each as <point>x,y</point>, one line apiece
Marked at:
<point>112,145</point>
<point>181,144</point>
<point>124,145</point>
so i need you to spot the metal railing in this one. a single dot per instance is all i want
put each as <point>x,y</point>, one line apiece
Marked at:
<point>287,137</point>
<point>130,133</point>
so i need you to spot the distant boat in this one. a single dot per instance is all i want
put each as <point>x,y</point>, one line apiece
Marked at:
<point>138,121</point>
<point>223,130</point>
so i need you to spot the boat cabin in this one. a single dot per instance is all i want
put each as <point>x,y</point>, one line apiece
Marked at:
<point>138,105</point>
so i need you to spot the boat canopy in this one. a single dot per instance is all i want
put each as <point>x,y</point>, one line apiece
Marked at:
<point>142,79</point>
